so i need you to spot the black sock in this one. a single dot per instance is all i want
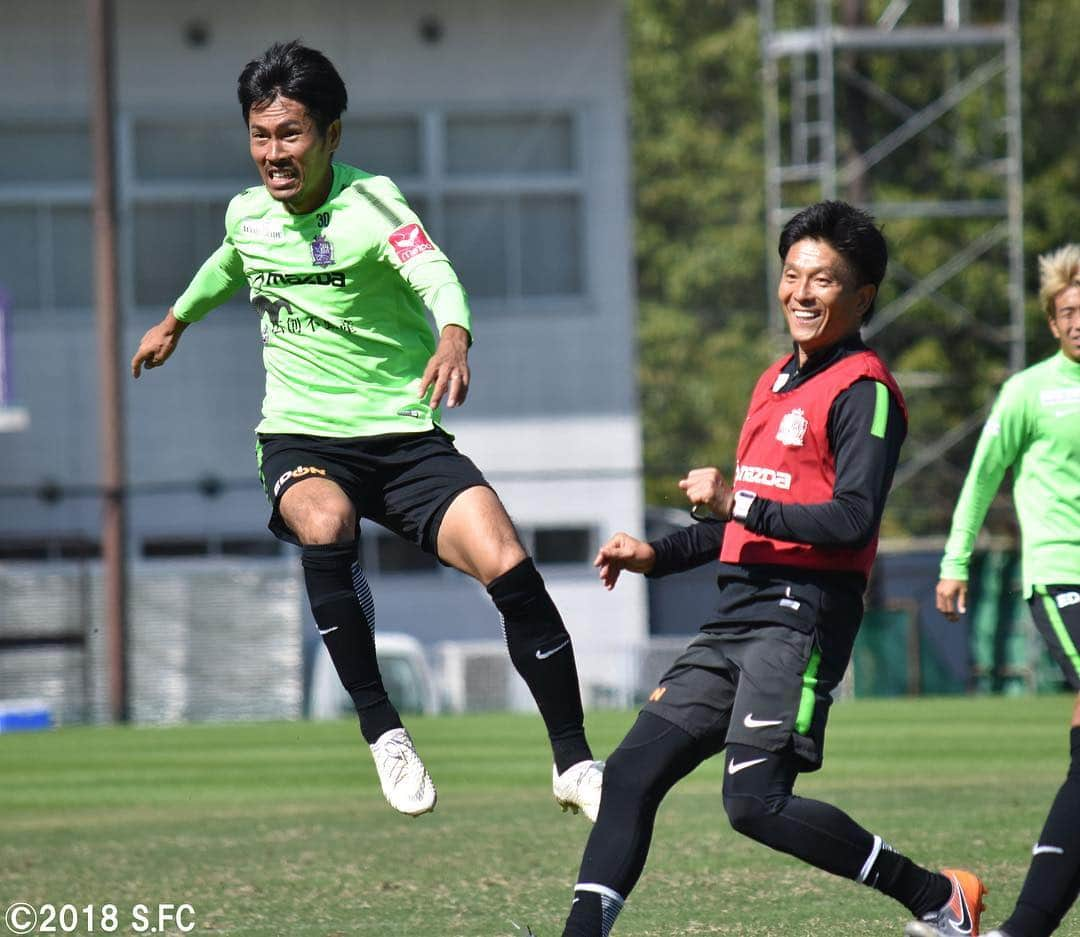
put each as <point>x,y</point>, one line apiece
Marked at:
<point>541,652</point>
<point>345,614</point>
<point>1053,879</point>
<point>586,917</point>
<point>593,913</point>
<point>652,758</point>
<point>919,890</point>
<point>760,804</point>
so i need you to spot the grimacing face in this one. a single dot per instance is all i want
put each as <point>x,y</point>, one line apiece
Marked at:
<point>293,158</point>
<point>821,302</point>
<point>1065,322</point>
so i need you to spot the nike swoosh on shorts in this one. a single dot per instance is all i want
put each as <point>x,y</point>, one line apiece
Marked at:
<point>751,723</point>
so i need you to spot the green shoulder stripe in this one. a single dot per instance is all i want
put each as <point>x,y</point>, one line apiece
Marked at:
<point>881,411</point>
<point>379,205</point>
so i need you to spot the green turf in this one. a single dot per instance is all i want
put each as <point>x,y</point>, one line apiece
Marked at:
<point>279,829</point>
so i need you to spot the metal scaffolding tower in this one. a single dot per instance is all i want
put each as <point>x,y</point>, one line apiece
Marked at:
<point>822,78</point>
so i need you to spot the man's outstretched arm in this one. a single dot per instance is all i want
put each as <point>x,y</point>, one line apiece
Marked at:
<point>217,279</point>
<point>158,344</point>
<point>684,549</point>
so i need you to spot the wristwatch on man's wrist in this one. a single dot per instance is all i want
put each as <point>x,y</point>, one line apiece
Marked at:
<point>741,506</point>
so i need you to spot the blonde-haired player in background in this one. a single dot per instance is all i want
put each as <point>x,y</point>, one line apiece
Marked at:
<point>1034,428</point>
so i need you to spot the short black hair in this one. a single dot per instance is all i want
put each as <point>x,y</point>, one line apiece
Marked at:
<point>292,70</point>
<point>851,232</point>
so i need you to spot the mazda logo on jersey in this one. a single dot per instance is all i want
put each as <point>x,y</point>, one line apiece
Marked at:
<point>757,475</point>
<point>275,278</point>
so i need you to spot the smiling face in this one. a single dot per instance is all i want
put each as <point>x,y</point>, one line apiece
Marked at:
<point>821,302</point>
<point>293,158</point>
<point>1065,322</point>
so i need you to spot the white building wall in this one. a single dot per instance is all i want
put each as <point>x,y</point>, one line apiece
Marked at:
<point>592,466</point>
<point>552,415</point>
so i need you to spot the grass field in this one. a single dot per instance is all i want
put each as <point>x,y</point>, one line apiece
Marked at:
<point>279,829</point>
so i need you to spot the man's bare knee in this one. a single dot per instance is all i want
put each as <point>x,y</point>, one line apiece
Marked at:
<point>509,553</point>
<point>477,536</point>
<point>317,511</point>
<point>318,529</point>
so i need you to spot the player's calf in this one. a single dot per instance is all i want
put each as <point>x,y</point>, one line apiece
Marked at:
<point>344,612</point>
<point>542,653</point>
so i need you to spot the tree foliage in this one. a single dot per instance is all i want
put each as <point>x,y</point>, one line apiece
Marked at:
<point>698,142</point>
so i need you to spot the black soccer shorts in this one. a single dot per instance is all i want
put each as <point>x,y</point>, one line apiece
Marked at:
<point>1056,612</point>
<point>403,481</point>
<point>760,684</point>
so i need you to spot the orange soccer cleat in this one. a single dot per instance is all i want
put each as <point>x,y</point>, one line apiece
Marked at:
<point>959,916</point>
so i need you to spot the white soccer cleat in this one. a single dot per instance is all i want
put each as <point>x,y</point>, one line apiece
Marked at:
<point>406,785</point>
<point>579,787</point>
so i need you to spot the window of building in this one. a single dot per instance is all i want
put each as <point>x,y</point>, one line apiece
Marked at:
<point>396,555</point>
<point>553,545</point>
<point>46,151</point>
<point>49,548</point>
<point>502,193</point>
<point>171,240</point>
<point>525,144</point>
<point>513,210</point>
<point>388,146</point>
<point>21,232</point>
<point>46,261</point>
<point>253,547</point>
<point>171,547</point>
<point>190,150</point>
<point>45,213</point>
<point>166,547</point>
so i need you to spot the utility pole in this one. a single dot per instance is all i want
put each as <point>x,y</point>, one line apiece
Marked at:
<point>113,507</point>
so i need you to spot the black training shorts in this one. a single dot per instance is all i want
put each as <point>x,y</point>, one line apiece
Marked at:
<point>760,684</point>
<point>403,481</point>
<point>1056,612</point>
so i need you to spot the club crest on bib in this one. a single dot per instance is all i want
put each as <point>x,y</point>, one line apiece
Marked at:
<point>322,251</point>
<point>793,428</point>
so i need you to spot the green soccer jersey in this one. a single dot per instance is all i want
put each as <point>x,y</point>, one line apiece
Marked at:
<point>1034,427</point>
<point>340,294</point>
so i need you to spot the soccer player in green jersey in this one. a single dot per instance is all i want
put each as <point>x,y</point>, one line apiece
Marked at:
<point>339,271</point>
<point>1034,428</point>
